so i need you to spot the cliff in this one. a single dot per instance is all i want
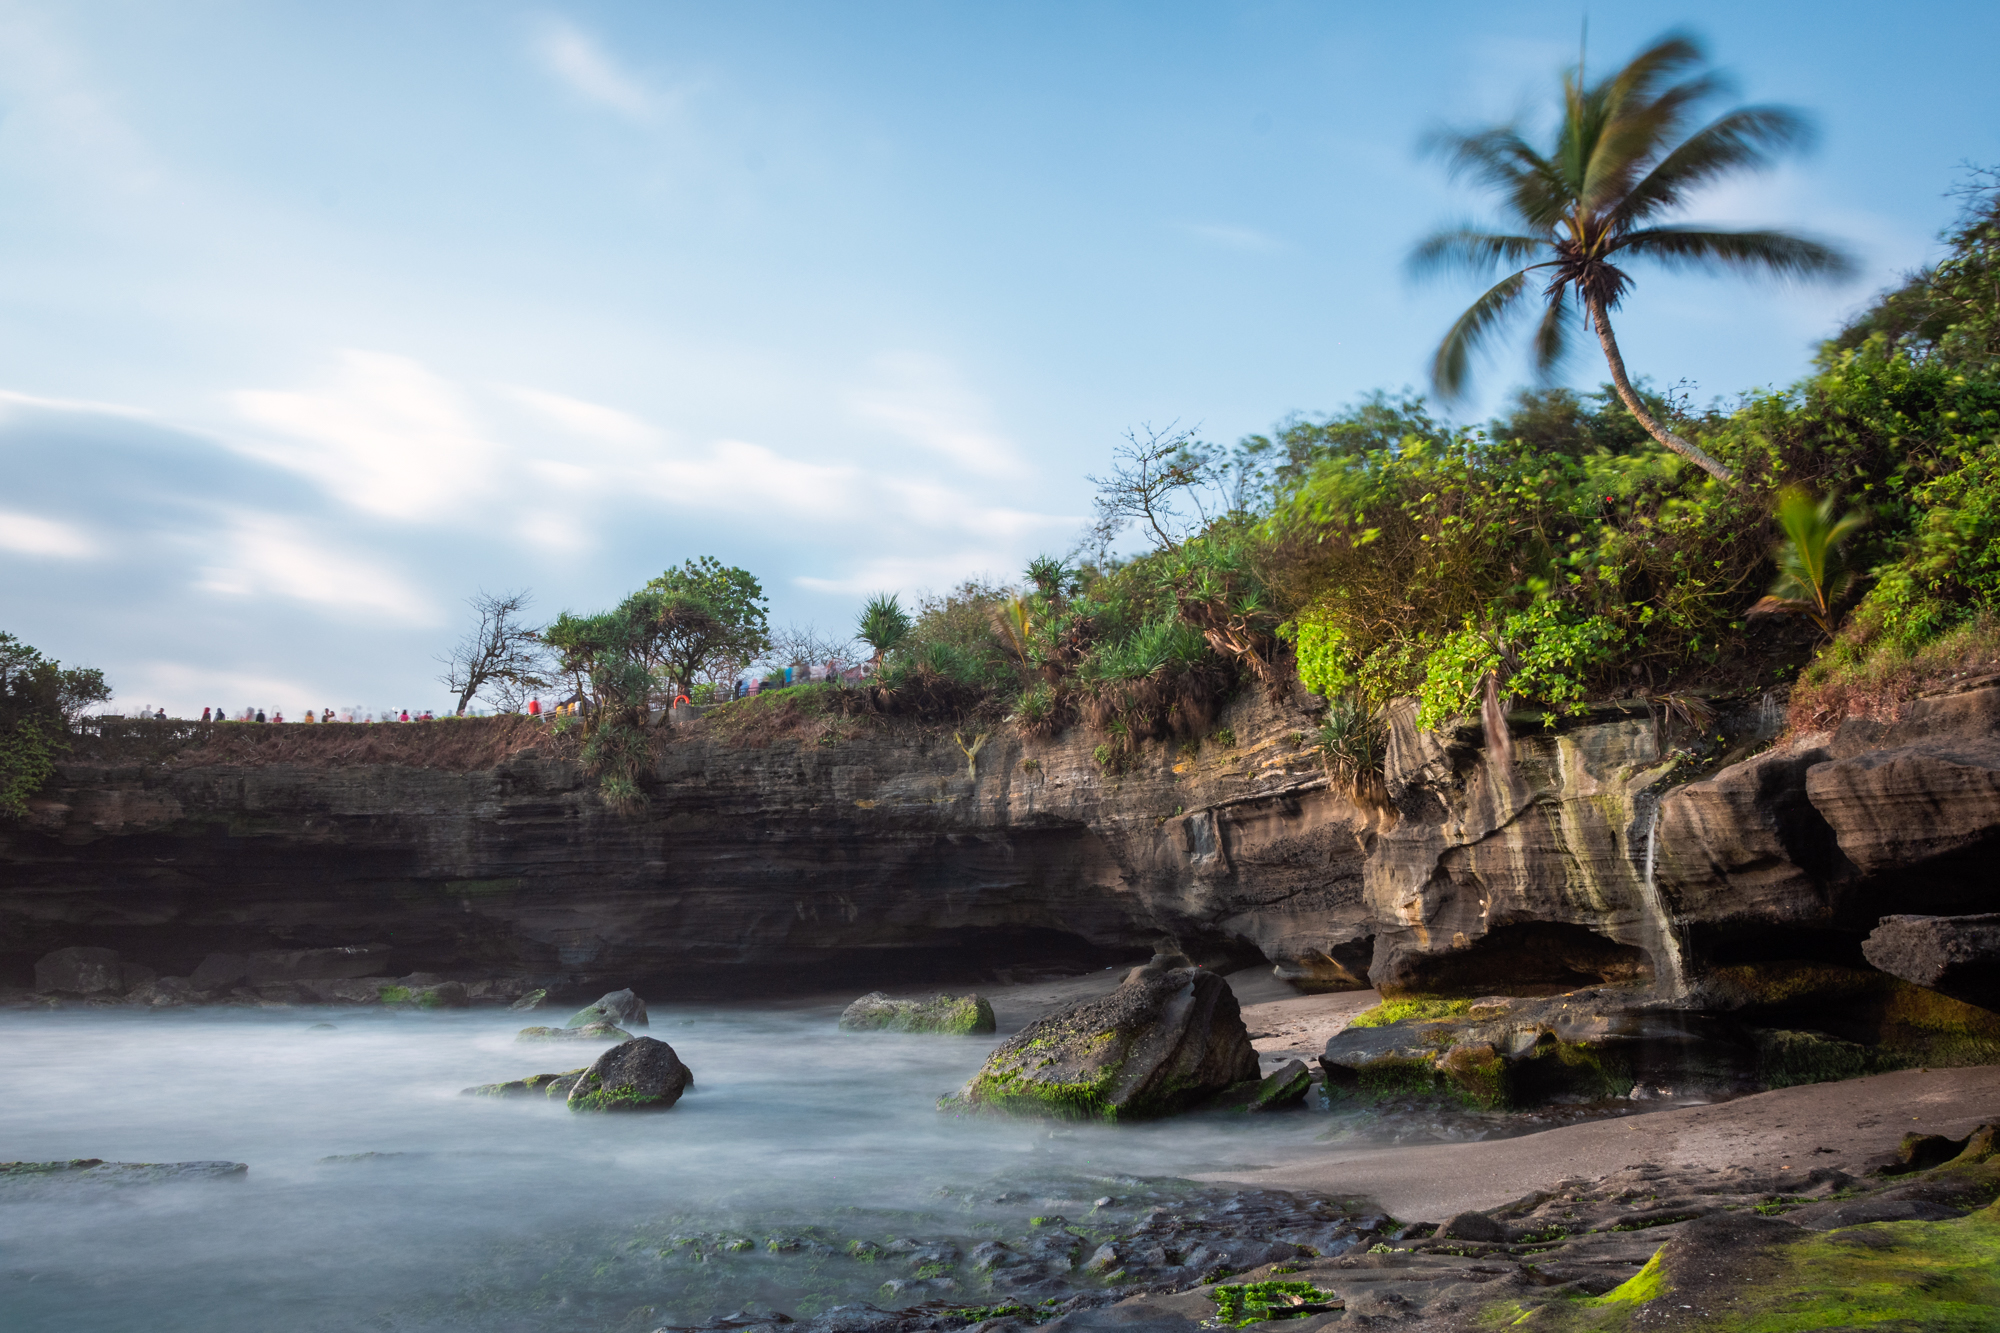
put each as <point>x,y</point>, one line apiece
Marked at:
<point>802,852</point>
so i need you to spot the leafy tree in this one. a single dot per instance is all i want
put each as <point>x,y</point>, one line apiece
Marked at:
<point>884,624</point>
<point>39,702</point>
<point>1623,157</point>
<point>503,654</point>
<point>1951,310</point>
<point>716,616</point>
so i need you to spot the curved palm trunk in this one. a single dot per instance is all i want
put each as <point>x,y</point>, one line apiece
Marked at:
<point>1638,409</point>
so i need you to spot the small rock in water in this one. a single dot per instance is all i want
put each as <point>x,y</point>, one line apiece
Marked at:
<point>534,1085</point>
<point>642,1074</point>
<point>322,1027</point>
<point>592,1032</point>
<point>621,1008</point>
<point>952,1014</point>
<point>20,1180</point>
<point>534,999</point>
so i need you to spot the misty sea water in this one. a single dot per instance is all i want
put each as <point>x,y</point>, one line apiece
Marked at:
<point>378,1197</point>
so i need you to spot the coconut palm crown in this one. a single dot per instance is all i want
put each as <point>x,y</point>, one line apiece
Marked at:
<point>1623,158</point>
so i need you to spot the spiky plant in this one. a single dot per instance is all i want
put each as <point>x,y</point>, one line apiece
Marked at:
<point>884,624</point>
<point>1623,158</point>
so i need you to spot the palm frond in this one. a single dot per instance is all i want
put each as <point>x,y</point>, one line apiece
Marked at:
<point>1502,159</point>
<point>1468,249</point>
<point>1551,345</point>
<point>1779,252</point>
<point>1745,138</point>
<point>1452,364</point>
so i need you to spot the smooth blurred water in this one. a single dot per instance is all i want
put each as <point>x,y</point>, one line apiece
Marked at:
<point>500,1215</point>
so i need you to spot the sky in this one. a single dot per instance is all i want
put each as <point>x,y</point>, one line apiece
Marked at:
<point>317,319</point>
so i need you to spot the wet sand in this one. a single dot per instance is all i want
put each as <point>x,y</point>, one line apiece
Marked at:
<point>1847,1126</point>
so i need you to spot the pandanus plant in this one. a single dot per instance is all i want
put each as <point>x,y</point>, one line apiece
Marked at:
<point>1625,156</point>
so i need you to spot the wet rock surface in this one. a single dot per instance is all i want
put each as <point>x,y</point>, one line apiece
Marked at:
<point>955,1015</point>
<point>1158,1044</point>
<point>1710,1235</point>
<point>551,1086</point>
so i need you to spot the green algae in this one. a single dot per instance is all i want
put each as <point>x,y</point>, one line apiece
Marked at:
<point>1428,1007</point>
<point>1905,1277</point>
<point>1244,1303</point>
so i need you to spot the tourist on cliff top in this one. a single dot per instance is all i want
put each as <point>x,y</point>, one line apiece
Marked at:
<point>405,717</point>
<point>260,715</point>
<point>534,707</point>
<point>204,715</point>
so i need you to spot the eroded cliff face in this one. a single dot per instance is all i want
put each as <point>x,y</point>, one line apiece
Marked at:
<point>883,855</point>
<point>755,869</point>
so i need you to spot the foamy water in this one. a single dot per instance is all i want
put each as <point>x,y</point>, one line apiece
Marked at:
<point>516,1214</point>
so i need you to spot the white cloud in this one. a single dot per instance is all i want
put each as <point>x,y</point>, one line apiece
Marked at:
<point>29,535</point>
<point>387,435</point>
<point>272,557</point>
<point>576,58</point>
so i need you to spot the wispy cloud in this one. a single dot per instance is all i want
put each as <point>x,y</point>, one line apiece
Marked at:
<point>384,434</point>
<point>1232,237</point>
<point>575,57</point>
<point>265,556</point>
<point>922,399</point>
<point>28,535</point>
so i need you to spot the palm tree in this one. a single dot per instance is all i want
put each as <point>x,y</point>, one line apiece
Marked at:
<point>1623,157</point>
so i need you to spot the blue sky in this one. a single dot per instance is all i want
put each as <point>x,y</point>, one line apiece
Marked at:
<point>316,318</point>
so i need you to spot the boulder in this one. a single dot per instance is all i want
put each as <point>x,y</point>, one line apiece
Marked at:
<point>1283,1088</point>
<point>1957,956</point>
<point>589,1032</point>
<point>642,1074</point>
<point>534,999</point>
<point>958,1015</point>
<point>81,971</point>
<point>423,990</point>
<point>1154,1046</point>
<point>219,972</point>
<point>534,1085</point>
<point>620,1007</point>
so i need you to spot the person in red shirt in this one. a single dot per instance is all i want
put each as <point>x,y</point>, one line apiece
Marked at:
<point>534,708</point>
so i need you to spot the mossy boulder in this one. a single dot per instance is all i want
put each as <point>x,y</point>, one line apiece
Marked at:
<point>534,999</point>
<point>1155,1046</point>
<point>1283,1089</point>
<point>589,1032</point>
<point>1494,1053</point>
<point>621,1008</point>
<point>534,1085</point>
<point>642,1074</point>
<point>953,1015</point>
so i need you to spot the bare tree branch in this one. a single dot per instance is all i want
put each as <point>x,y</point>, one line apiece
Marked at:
<point>502,658</point>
